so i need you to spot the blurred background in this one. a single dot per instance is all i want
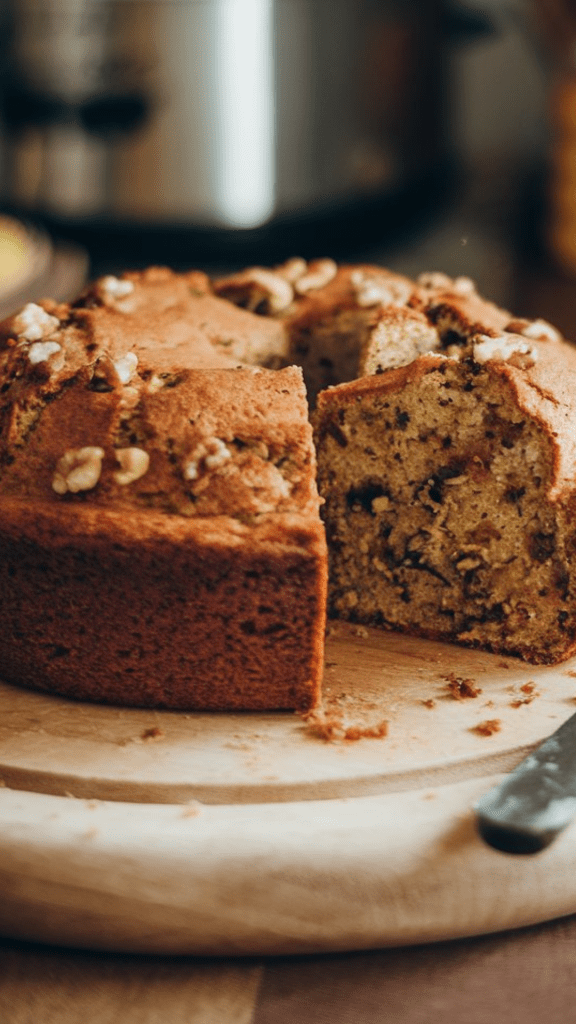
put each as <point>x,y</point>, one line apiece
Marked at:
<point>420,134</point>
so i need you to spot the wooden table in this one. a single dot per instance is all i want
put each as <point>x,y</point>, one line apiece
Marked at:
<point>525,977</point>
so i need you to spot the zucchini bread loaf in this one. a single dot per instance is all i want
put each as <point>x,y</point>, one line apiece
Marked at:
<point>160,535</point>
<point>160,541</point>
<point>450,483</point>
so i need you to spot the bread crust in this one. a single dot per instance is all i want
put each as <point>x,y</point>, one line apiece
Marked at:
<point>156,611</point>
<point>159,526</point>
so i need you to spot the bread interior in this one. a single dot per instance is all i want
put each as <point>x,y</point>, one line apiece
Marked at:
<point>436,510</point>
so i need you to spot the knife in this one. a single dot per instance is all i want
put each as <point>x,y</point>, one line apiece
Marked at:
<point>533,804</point>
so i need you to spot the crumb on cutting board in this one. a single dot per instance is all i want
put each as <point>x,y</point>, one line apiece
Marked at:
<point>460,688</point>
<point>153,733</point>
<point>529,687</point>
<point>488,728</point>
<point>332,724</point>
<point>529,693</point>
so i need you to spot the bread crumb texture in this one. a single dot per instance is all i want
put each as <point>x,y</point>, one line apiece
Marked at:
<point>449,486</point>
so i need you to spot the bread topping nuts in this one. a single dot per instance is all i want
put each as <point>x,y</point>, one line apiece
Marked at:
<point>33,323</point>
<point>126,366</point>
<point>257,289</point>
<point>463,286</point>
<point>437,281</point>
<point>110,289</point>
<point>503,347</point>
<point>378,290</point>
<point>40,351</point>
<point>434,279</point>
<point>272,291</point>
<point>133,462</point>
<point>217,455</point>
<point>293,269</point>
<point>78,470</point>
<point>213,454</point>
<point>318,274</point>
<point>541,330</point>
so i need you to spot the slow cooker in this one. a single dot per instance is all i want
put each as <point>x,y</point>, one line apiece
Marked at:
<point>221,123</point>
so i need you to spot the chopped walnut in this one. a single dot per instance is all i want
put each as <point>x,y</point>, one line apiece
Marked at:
<point>126,366</point>
<point>541,330</point>
<point>33,323</point>
<point>379,290</point>
<point>212,454</point>
<point>257,289</point>
<point>463,286</point>
<point>435,280</point>
<point>110,289</point>
<point>504,347</point>
<point>78,470</point>
<point>217,455</point>
<point>318,275</point>
<point>133,462</point>
<point>293,269</point>
<point>40,351</point>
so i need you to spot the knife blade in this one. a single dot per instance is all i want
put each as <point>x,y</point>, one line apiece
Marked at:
<point>535,803</point>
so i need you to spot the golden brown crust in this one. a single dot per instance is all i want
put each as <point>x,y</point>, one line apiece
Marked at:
<point>160,530</point>
<point>163,611</point>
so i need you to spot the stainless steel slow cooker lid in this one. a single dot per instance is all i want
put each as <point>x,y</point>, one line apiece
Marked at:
<point>217,114</point>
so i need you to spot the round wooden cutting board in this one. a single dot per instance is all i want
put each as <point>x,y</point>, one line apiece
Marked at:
<point>268,833</point>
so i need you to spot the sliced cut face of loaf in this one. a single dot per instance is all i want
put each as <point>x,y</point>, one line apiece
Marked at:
<point>450,497</point>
